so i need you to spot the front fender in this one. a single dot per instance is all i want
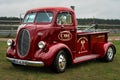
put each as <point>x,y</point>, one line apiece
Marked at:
<point>48,56</point>
<point>10,52</point>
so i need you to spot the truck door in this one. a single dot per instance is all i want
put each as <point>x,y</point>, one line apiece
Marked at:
<point>67,31</point>
<point>83,44</point>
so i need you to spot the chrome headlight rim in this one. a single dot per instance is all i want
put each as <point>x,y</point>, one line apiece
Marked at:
<point>41,44</point>
<point>10,42</point>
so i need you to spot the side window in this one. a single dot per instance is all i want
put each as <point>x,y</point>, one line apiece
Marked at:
<point>64,18</point>
<point>29,18</point>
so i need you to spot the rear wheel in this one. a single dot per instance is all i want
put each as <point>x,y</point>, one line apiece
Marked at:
<point>109,54</point>
<point>59,65</point>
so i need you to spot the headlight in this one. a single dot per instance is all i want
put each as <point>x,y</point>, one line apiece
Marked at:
<point>41,44</point>
<point>10,42</point>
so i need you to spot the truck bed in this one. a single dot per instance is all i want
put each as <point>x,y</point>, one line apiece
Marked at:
<point>90,33</point>
<point>88,30</point>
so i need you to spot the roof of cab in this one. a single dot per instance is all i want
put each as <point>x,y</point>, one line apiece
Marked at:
<point>51,9</point>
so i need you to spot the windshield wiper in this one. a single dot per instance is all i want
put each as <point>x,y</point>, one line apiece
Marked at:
<point>47,15</point>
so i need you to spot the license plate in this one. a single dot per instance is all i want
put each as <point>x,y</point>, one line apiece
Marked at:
<point>19,62</point>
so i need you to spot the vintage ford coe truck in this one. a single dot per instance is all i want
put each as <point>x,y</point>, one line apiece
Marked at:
<point>49,37</point>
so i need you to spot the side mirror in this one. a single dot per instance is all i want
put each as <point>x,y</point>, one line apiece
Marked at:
<point>21,17</point>
<point>62,26</point>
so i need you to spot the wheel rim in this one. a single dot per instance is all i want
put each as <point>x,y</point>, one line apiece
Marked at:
<point>62,62</point>
<point>110,53</point>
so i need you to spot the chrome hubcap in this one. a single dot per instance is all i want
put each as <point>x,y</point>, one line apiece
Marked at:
<point>62,62</point>
<point>110,53</point>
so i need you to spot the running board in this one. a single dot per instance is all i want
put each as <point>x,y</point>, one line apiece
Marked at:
<point>86,58</point>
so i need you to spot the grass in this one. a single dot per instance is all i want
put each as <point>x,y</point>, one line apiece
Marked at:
<point>114,34</point>
<point>8,36</point>
<point>91,70</point>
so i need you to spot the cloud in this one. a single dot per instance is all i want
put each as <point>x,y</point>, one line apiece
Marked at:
<point>83,8</point>
<point>99,9</point>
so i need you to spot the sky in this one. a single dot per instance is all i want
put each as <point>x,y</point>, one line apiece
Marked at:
<point>104,9</point>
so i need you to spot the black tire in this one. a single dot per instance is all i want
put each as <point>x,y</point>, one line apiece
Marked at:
<point>109,54</point>
<point>60,62</point>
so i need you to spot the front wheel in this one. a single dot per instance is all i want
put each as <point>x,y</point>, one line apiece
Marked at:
<point>59,65</point>
<point>109,54</point>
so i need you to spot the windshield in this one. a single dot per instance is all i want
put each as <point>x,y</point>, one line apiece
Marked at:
<point>41,17</point>
<point>44,17</point>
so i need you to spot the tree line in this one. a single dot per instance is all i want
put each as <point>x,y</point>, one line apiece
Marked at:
<point>9,18</point>
<point>86,21</point>
<point>80,21</point>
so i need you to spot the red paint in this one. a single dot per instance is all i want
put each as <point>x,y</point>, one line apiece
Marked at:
<point>82,46</point>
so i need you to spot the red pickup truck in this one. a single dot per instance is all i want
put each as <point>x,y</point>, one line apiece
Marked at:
<point>49,37</point>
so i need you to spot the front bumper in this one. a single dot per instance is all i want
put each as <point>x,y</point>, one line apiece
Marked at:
<point>26,62</point>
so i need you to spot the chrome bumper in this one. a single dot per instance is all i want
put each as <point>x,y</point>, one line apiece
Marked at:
<point>26,62</point>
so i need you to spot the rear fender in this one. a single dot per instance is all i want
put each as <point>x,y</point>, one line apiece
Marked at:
<point>108,45</point>
<point>101,48</point>
<point>48,56</point>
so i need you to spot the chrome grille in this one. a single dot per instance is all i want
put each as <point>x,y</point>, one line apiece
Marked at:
<point>23,42</point>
